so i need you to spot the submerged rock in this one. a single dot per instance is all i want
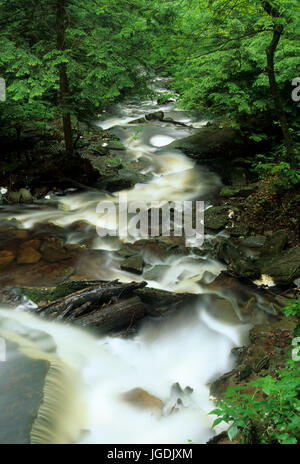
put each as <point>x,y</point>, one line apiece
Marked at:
<point>53,250</point>
<point>140,398</point>
<point>156,272</point>
<point>133,264</point>
<point>28,255</point>
<point>6,257</point>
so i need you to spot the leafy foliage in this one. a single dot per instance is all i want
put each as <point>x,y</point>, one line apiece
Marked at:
<point>270,415</point>
<point>103,52</point>
<point>292,308</point>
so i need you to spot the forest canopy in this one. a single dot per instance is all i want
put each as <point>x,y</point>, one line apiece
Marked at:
<point>230,59</point>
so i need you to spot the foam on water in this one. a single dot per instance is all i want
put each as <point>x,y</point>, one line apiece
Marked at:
<point>190,348</point>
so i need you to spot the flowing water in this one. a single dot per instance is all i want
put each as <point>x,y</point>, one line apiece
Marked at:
<point>191,348</point>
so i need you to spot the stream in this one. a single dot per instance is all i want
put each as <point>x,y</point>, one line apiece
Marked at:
<point>190,348</point>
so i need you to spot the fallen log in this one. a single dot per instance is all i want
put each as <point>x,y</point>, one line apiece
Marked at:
<point>47,294</point>
<point>117,316</point>
<point>107,306</point>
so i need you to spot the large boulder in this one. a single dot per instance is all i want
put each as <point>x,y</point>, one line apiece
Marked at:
<point>133,264</point>
<point>124,179</point>
<point>240,264</point>
<point>216,218</point>
<point>28,255</point>
<point>283,268</point>
<point>208,142</point>
<point>157,116</point>
<point>6,257</point>
<point>275,243</point>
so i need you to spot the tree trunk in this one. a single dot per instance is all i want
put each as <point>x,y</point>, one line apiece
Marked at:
<point>270,52</point>
<point>63,78</point>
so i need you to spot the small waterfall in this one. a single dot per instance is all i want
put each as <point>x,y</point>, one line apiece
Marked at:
<point>60,415</point>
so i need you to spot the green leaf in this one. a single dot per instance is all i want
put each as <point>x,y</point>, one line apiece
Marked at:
<point>232,432</point>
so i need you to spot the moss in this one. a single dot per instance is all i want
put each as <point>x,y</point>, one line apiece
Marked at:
<point>38,294</point>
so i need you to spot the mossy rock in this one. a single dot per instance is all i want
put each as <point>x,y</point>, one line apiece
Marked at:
<point>216,218</point>
<point>116,145</point>
<point>133,264</point>
<point>228,192</point>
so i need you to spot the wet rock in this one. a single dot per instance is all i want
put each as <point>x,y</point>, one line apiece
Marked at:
<point>223,310</point>
<point>28,255</point>
<point>26,196</point>
<point>133,264</point>
<point>23,195</point>
<point>254,241</point>
<point>160,302</point>
<point>22,382</point>
<point>35,244</point>
<point>240,230</point>
<point>53,251</point>
<point>125,179</point>
<point>248,302</point>
<point>208,142</point>
<point>18,234</point>
<point>115,145</point>
<point>14,197</point>
<point>228,192</point>
<point>283,268</point>
<point>240,264</point>
<point>268,350</point>
<point>156,273</point>
<point>156,116</point>
<point>275,243</point>
<point>161,247</point>
<point>142,399</point>
<point>10,223</point>
<point>129,250</point>
<point>270,336</point>
<point>39,274</point>
<point>101,149</point>
<point>6,257</point>
<point>216,218</point>
<point>138,121</point>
